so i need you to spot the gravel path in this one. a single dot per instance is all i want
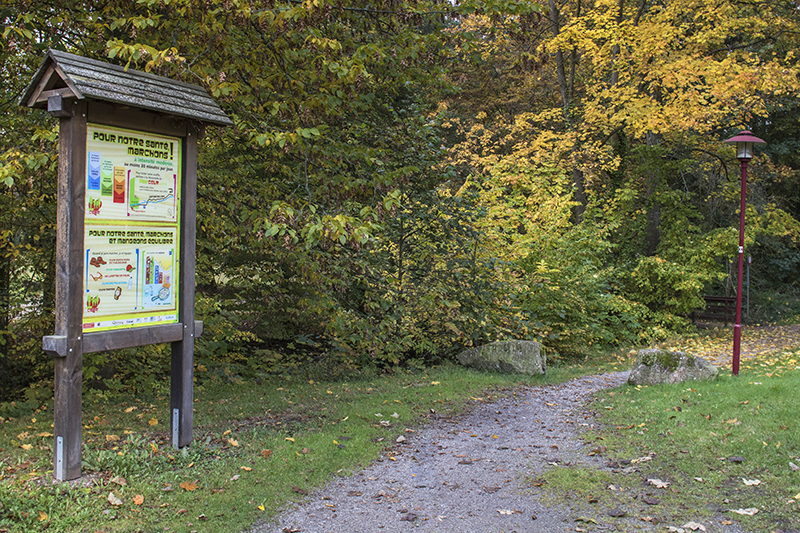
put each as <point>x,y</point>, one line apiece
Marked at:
<point>468,473</point>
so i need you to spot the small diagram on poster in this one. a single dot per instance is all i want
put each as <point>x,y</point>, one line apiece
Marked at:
<point>152,197</point>
<point>157,281</point>
<point>111,281</point>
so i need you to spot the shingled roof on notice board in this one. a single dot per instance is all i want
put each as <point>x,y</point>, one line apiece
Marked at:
<point>73,76</point>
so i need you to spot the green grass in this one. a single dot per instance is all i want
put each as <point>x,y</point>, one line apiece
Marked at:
<point>257,446</point>
<point>685,435</point>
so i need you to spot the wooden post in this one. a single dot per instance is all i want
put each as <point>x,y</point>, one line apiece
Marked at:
<point>69,294</point>
<point>182,373</point>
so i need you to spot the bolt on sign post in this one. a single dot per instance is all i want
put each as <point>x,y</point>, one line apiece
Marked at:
<point>125,246</point>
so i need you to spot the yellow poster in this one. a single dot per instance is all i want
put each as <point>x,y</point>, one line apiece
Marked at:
<point>131,234</point>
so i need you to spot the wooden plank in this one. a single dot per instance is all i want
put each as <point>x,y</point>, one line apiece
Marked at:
<point>135,119</point>
<point>131,337</point>
<point>718,309</point>
<point>55,345</point>
<point>58,107</point>
<point>64,92</point>
<point>182,375</point>
<point>69,294</point>
<point>103,341</point>
<point>40,86</point>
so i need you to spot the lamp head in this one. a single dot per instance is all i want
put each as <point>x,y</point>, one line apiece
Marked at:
<point>744,144</point>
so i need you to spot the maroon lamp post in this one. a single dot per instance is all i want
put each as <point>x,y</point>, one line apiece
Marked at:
<point>744,153</point>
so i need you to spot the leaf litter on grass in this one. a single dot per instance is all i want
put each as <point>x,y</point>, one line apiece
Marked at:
<point>758,343</point>
<point>735,427</point>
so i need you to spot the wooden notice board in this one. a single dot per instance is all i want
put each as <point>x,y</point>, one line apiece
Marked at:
<point>125,246</point>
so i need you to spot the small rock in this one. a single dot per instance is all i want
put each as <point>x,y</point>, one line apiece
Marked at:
<point>654,366</point>
<point>793,466</point>
<point>525,357</point>
<point>736,459</point>
<point>616,512</point>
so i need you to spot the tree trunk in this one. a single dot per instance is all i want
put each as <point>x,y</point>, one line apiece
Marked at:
<point>566,87</point>
<point>5,322</point>
<point>560,70</point>
<point>652,181</point>
<point>580,194</point>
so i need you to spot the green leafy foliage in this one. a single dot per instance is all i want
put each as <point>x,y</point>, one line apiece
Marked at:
<point>408,178</point>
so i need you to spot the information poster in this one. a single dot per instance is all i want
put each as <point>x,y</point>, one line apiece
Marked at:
<point>131,229</point>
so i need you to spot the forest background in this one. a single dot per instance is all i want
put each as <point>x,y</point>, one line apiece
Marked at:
<point>408,178</point>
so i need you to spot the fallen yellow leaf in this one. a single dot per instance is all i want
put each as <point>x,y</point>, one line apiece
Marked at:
<point>188,486</point>
<point>138,499</point>
<point>153,422</point>
<point>246,468</point>
<point>112,438</point>
<point>43,516</point>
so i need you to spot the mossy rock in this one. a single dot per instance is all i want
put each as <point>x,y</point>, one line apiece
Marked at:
<point>525,357</point>
<point>654,366</point>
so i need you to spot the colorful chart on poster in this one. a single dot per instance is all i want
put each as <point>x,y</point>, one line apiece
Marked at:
<point>131,232</point>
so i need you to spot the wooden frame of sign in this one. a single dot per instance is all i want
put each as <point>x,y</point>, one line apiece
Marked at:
<point>121,130</point>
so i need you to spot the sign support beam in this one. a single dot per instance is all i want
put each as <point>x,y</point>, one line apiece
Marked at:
<point>182,373</point>
<point>69,295</point>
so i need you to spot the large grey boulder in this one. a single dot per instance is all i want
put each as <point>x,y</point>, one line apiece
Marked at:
<point>526,357</point>
<point>654,366</point>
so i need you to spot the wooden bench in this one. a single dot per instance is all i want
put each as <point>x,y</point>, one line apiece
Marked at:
<point>718,309</point>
